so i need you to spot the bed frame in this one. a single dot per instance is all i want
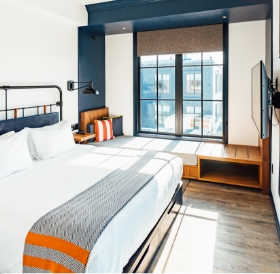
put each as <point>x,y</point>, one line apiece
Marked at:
<point>143,257</point>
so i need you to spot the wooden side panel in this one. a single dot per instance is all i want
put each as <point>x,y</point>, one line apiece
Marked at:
<point>87,117</point>
<point>190,172</point>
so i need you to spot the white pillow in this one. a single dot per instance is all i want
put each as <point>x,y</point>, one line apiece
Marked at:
<point>50,143</point>
<point>7,135</point>
<point>14,155</point>
<point>32,150</point>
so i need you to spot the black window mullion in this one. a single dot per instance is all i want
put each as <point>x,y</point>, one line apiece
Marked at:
<point>157,93</point>
<point>202,97</point>
<point>179,94</point>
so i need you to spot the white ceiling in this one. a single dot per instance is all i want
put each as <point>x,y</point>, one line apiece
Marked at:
<point>87,2</point>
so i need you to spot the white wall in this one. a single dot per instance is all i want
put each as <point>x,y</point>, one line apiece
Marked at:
<point>39,47</point>
<point>246,49</point>
<point>119,78</point>
<point>275,129</point>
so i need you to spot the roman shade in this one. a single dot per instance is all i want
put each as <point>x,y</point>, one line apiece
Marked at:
<point>181,40</point>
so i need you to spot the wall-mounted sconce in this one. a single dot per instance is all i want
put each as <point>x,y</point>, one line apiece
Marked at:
<point>88,88</point>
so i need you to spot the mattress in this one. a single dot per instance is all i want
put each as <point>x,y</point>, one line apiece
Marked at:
<point>27,195</point>
<point>187,150</point>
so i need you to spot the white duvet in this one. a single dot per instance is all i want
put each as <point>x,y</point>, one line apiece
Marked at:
<point>28,195</point>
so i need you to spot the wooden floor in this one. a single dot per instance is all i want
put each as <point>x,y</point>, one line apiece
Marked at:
<point>221,228</point>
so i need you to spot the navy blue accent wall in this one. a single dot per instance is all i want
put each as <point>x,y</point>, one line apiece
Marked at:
<point>91,54</point>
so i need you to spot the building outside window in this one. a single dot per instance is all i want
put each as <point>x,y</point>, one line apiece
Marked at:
<point>195,105</point>
<point>193,83</point>
<point>163,83</point>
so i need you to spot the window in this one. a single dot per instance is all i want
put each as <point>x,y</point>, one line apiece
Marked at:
<point>193,83</point>
<point>163,83</point>
<point>194,107</point>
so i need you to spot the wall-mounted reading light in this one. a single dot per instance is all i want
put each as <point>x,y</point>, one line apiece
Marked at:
<point>88,88</point>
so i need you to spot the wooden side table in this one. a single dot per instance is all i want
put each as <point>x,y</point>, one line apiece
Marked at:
<point>83,138</point>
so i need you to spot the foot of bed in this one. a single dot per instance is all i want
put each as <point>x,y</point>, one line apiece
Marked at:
<point>142,259</point>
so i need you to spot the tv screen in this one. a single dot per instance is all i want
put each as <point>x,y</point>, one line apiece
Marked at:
<point>260,94</point>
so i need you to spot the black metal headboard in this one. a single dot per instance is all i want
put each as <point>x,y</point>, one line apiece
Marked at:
<point>58,103</point>
<point>17,124</point>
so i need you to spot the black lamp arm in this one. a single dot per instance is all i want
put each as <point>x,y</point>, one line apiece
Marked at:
<point>70,85</point>
<point>79,87</point>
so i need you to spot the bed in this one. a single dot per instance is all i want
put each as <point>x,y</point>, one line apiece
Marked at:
<point>130,239</point>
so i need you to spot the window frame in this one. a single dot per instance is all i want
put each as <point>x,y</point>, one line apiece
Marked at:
<point>179,66</point>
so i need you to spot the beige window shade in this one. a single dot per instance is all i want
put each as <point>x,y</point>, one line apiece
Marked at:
<point>181,40</point>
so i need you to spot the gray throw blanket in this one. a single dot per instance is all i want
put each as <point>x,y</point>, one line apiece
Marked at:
<point>61,240</point>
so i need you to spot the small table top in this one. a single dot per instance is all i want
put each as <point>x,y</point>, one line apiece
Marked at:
<point>79,138</point>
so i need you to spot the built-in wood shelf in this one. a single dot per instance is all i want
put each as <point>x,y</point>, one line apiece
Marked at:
<point>230,173</point>
<point>232,164</point>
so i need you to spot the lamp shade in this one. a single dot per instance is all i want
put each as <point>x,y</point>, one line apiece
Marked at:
<point>90,90</point>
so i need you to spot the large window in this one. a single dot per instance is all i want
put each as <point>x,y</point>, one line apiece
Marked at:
<point>182,94</point>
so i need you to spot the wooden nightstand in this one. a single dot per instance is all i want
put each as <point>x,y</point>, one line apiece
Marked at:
<point>83,138</point>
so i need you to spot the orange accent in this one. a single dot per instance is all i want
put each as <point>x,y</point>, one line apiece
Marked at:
<point>107,134</point>
<point>61,245</point>
<point>96,128</point>
<point>45,264</point>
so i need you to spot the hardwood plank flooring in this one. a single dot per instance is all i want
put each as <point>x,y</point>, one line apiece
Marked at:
<point>221,228</point>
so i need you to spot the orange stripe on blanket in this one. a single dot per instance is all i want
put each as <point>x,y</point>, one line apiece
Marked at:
<point>61,245</point>
<point>45,264</point>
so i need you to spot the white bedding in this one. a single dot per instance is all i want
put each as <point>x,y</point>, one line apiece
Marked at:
<point>29,194</point>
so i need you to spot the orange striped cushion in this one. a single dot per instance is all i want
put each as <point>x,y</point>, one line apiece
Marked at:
<point>103,130</point>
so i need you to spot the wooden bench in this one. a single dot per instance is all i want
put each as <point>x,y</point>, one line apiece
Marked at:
<point>233,164</point>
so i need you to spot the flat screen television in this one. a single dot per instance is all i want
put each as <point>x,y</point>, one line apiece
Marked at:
<point>259,100</point>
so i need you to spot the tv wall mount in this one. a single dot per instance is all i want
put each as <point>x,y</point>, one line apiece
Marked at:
<point>274,93</point>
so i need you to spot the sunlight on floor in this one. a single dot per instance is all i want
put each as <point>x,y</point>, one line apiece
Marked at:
<point>190,248</point>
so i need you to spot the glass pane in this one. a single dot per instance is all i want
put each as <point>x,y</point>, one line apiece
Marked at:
<point>192,83</point>
<point>192,117</point>
<point>213,118</point>
<point>166,60</point>
<point>213,82</point>
<point>166,83</point>
<point>166,116</point>
<point>148,115</point>
<point>148,83</point>
<point>213,58</point>
<point>148,61</point>
<point>192,59</point>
